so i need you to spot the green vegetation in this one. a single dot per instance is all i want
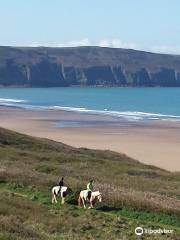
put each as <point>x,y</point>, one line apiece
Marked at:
<point>134,194</point>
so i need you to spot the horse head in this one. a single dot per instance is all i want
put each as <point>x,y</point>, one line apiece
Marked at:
<point>69,190</point>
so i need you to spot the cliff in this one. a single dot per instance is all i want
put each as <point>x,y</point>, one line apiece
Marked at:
<point>86,66</point>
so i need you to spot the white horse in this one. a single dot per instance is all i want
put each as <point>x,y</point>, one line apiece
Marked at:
<point>63,193</point>
<point>83,197</point>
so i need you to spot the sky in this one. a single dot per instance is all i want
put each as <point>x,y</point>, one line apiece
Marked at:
<point>151,25</point>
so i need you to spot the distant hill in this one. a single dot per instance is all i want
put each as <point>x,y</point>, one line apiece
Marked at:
<point>86,66</point>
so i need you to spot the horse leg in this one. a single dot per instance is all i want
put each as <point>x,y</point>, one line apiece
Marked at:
<point>52,198</point>
<point>55,198</point>
<point>79,201</point>
<point>83,203</point>
<point>62,200</point>
<point>91,202</point>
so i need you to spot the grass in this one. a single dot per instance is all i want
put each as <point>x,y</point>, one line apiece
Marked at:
<point>134,194</point>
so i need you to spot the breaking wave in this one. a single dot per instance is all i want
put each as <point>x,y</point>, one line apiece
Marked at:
<point>124,115</point>
<point>128,115</point>
<point>9,100</point>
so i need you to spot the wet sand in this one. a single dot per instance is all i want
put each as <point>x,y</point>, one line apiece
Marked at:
<point>156,143</point>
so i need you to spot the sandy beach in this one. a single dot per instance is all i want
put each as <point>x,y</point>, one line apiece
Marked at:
<point>156,143</point>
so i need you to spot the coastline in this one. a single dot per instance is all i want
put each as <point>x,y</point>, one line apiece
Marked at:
<point>155,142</point>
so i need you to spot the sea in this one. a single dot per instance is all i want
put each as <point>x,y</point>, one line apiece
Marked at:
<point>129,104</point>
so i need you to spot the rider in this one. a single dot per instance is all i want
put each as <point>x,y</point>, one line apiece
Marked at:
<point>61,183</point>
<point>90,188</point>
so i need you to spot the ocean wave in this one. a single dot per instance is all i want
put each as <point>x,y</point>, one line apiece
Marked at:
<point>128,115</point>
<point>124,115</point>
<point>9,100</point>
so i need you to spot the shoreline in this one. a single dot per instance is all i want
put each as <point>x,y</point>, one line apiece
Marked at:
<point>154,143</point>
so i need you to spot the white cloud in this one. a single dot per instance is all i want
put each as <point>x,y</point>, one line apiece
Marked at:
<point>113,43</point>
<point>165,49</point>
<point>117,43</point>
<point>82,42</point>
<point>104,43</point>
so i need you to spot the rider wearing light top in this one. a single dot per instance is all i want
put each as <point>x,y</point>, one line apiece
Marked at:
<point>90,188</point>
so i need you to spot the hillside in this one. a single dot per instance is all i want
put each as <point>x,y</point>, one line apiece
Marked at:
<point>133,194</point>
<point>86,66</point>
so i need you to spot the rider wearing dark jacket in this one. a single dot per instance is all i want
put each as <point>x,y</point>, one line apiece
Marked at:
<point>61,184</point>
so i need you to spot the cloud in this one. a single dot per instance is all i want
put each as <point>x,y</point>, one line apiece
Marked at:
<point>104,43</point>
<point>82,42</point>
<point>113,43</point>
<point>165,49</point>
<point>117,43</point>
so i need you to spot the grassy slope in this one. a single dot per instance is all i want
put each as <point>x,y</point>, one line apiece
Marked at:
<point>133,194</point>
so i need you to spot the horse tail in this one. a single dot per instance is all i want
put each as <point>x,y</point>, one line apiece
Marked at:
<point>79,200</point>
<point>53,195</point>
